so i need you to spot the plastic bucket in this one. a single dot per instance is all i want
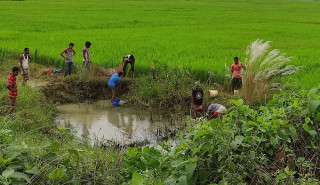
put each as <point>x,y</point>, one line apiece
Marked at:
<point>116,102</point>
<point>213,93</point>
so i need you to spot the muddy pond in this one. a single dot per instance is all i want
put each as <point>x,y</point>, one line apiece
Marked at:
<point>101,121</point>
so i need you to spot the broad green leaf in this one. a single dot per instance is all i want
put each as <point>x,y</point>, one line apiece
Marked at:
<point>33,170</point>
<point>293,133</point>
<point>237,103</point>
<point>183,180</point>
<point>306,127</point>
<point>6,173</point>
<point>189,170</point>
<point>19,175</point>
<point>137,179</point>
<point>201,133</point>
<point>237,141</point>
<point>262,129</point>
<point>281,176</point>
<point>313,133</point>
<point>313,105</point>
<point>56,174</point>
<point>173,179</point>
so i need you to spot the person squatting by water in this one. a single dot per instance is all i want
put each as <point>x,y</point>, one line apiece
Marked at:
<point>236,82</point>
<point>86,54</point>
<point>115,78</point>
<point>25,60</point>
<point>197,98</point>
<point>69,53</point>
<point>214,109</point>
<point>128,59</point>
<point>12,86</point>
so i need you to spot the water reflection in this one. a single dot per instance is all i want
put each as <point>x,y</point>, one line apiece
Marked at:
<point>102,121</point>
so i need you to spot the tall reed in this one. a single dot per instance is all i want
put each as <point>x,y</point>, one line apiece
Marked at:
<point>262,66</point>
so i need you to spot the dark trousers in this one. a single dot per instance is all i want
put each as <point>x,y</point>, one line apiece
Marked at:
<point>68,69</point>
<point>236,83</point>
<point>125,66</point>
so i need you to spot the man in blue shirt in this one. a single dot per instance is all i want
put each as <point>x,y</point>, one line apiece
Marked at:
<point>115,78</point>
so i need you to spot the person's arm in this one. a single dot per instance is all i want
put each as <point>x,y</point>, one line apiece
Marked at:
<point>73,52</point>
<point>84,51</point>
<point>232,68</point>
<point>30,59</point>
<point>244,67</point>
<point>62,52</point>
<point>9,87</point>
<point>9,84</point>
<point>21,58</point>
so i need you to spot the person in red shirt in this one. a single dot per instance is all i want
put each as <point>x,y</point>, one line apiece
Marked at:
<point>12,86</point>
<point>236,82</point>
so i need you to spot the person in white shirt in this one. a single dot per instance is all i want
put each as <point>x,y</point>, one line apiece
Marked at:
<point>25,60</point>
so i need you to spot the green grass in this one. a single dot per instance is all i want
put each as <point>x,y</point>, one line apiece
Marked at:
<point>41,152</point>
<point>200,35</point>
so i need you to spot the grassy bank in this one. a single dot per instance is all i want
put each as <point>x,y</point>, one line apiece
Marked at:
<point>33,149</point>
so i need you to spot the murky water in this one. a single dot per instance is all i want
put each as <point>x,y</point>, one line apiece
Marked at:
<point>101,121</point>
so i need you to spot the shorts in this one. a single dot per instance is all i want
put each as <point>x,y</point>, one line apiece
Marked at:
<point>236,83</point>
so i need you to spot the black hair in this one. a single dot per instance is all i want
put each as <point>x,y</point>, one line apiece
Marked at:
<point>14,69</point>
<point>120,73</point>
<point>236,58</point>
<point>71,44</point>
<point>131,57</point>
<point>25,49</point>
<point>88,43</point>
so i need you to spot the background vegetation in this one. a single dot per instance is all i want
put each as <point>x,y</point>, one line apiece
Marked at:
<point>200,35</point>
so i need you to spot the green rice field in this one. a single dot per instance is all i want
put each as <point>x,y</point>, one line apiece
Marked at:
<point>200,35</point>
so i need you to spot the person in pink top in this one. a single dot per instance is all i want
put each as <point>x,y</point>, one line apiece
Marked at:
<point>236,82</point>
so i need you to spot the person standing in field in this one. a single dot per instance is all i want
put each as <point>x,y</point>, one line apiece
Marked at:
<point>69,52</point>
<point>128,59</point>
<point>12,86</point>
<point>236,82</point>
<point>86,54</point>
<point>197,98</point>
<point>115,78</point>
<point>25,60</point>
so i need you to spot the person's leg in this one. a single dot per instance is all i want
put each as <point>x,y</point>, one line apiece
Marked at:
<point>27,75</point>
<point>112,93</point>
<point>23,79</point>
<point>12,104</point>
<point>66,69</point>
<point>233,83</point>
<point>124,67</point>
<point>70,68</point>
<point>132,70</point>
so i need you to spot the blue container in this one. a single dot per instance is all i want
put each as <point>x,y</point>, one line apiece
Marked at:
<point>116,102</point>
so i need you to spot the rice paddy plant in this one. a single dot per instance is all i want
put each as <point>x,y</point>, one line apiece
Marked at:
<point>262,67</point>
<point>199,35</point>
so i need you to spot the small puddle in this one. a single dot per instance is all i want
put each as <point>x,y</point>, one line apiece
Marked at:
<point>100,121</point>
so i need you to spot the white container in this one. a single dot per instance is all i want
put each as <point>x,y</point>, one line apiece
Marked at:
<point>213,93</point>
